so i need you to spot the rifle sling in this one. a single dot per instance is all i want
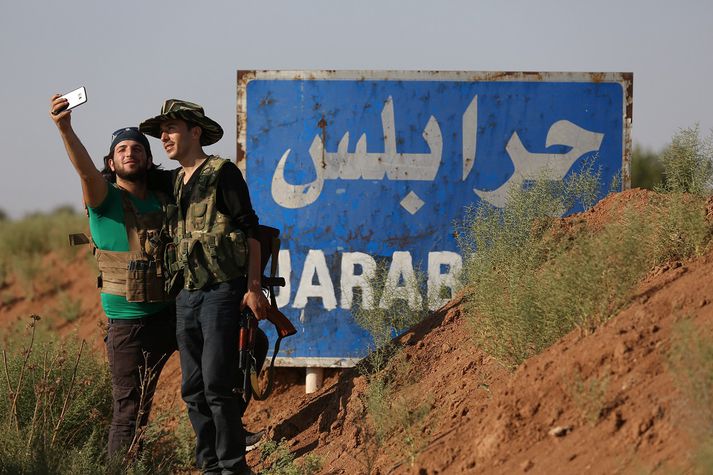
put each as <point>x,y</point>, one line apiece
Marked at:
<point>274,257</point>
<point>262,395</point>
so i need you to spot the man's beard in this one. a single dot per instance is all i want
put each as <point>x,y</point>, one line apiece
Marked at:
<point>132,177</point>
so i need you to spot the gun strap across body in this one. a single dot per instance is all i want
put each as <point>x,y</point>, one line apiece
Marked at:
<point>269,283</point>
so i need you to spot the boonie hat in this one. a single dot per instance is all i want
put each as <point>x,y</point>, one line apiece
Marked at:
<point>188,111</point>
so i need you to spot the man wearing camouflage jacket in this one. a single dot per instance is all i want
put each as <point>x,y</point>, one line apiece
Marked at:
<point>217,268</point>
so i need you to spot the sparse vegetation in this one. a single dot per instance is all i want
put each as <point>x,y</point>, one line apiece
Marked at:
<point>688,163</point>
<point>53,407</point>
<point>24,243</point>
<point>531,279</point>
<point>389,417</point>
<point>55,410</point>
<point>280,461</point>
<point>383,322</point>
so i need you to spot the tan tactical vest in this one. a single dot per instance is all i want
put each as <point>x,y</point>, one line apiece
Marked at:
<point>138,274</point>
<point>208,248</point>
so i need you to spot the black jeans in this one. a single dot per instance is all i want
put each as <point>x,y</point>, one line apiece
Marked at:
<point>208,322</point>
<point>133,346</point>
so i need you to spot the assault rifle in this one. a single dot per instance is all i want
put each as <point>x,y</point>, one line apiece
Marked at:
<point>269,247</point>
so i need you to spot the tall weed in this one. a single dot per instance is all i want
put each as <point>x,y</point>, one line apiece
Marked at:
<point>406,307</point>
<point>55,411</point>
<point>688,163</point>
<point>646,168</point>
<point>681,229</point>
<point>280,461</point>
<point>530,279</point>
<point>504,253</point>
<point>386,368</point>
<point>54,406</point>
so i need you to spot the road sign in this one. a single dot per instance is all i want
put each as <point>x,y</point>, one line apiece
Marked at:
<point>358,167</point>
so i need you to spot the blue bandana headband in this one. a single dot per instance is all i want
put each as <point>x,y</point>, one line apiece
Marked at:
<point>129,133</point>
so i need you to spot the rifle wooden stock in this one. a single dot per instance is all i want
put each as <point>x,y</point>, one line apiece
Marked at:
<point>282,324</point>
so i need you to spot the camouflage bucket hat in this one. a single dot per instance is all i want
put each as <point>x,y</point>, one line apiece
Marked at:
<point>188,111</point>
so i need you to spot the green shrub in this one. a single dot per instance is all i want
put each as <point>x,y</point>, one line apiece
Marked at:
<point>503,251</point>
<point>386,367</point>
<point>280,461</point>
<point>408,308</point>
<point>688,163</point>
<point>389,413</point>
<point>530,281</point>
<point>54,407</point>
<point>55,411</point>
<point>681,229</point>
<point>166,447</point>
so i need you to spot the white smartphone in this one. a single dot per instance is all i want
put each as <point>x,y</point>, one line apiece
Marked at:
<point>75,98</point>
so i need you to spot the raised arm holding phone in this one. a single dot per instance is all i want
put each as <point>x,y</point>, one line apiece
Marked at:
<point>126,220</point>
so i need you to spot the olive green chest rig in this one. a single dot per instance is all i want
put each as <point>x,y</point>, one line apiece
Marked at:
<point>139,273</point>
<point>208,247</point>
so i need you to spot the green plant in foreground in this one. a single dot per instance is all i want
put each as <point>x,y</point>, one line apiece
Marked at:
<point>396,304</point>
<point>281,461</point>
<point>681,229</point>
<point>392,414</point>
<point>53,407</point>
<point>688,163</point>
<point>504,251</point>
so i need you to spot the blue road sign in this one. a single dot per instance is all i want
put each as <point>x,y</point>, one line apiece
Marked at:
<point>356,167</point>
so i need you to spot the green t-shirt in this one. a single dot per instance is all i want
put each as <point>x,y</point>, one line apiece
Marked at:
<point>106,223</point>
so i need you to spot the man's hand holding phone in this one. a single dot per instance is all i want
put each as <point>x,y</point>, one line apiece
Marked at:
<point>62,104</point>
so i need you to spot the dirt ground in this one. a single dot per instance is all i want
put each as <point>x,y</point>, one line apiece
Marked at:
<point>480,417</point>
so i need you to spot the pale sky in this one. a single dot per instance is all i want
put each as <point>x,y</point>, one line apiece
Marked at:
<point>132,55</point>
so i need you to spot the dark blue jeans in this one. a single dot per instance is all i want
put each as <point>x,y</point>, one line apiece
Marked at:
<point>207,327</point>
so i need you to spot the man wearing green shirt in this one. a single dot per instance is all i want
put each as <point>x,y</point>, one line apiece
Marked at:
<point>126,220</point>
